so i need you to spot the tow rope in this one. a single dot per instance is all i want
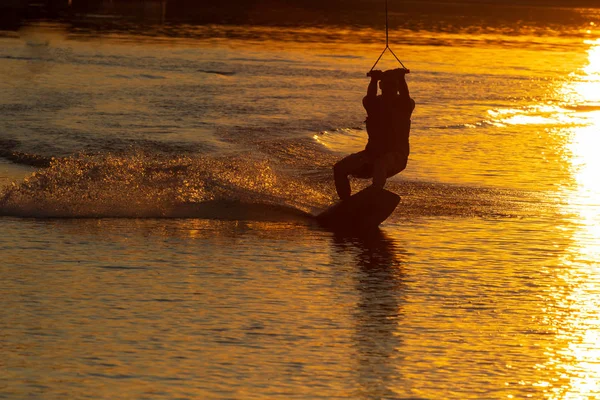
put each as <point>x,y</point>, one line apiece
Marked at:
<point>387,43</point>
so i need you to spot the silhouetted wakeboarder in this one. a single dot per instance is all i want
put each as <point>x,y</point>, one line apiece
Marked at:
<point>386,154</point>
<point>388,127</point>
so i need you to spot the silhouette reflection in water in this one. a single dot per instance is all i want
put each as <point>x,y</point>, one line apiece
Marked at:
<point>378,311</point>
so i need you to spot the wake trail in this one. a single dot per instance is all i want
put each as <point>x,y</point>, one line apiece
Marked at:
<point>144,185</point>
<point>280,180</point>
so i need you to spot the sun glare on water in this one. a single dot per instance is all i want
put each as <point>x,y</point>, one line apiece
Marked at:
<point>585,163</point>
<point>576,361</point>
<point>574,117</point>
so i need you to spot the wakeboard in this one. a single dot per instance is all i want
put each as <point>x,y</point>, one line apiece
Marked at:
<point>365,210</point>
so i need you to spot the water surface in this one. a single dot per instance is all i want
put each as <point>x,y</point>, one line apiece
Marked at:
<point>155,180</point>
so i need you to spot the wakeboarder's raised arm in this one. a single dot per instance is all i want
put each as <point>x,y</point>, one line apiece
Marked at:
<point>372,88</point>
<point>402,85</point>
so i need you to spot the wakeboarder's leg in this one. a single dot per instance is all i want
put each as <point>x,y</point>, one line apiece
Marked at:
<point>379,173</point>
<point>342,183</point>
<point>345,167</point>
<point>387,166</point>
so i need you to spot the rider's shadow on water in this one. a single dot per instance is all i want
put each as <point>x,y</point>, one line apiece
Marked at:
<point>378,313</point>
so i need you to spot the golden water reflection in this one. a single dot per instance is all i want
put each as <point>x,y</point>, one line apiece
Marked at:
<point>573,367</point>
<point>576,359</point>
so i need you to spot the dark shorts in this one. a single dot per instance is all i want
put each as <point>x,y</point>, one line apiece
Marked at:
<point>360,165</point>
